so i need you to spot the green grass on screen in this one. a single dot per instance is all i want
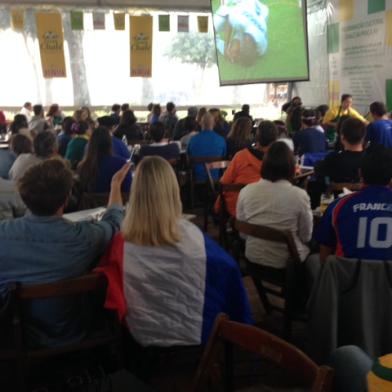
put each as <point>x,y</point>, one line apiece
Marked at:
<point>286,56</point>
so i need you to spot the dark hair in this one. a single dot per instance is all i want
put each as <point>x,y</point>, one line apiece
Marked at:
<point>80,127</point>
<point>353,130</point>
<point>378,108</point>
<point>45,144</point>
<point>107,121</point>
<point>322,110</point>
<point>157,131</point>
<point>190,124</point>
<point>38,109</point>
<point>201,112</point>
<point>128,117</point>
<point>67,125</point>
<point>341,120</point>
<point>27,104</point>
<point>45,187</point>
<point>52,110</point>
<point>285,107</point>
<point>87,110</point>
<point>345,96</point>
<point>21,144</point>
<point>156,109</point>
<point>267,133</point>
<point>376,167</point>
<point>245,108</point>
<point>309,117</point>
<point>279,163</point>
<point>296,118</point>
<point>150,106</point>
<point>20,121</point>
<point>99,146</point>
<point>241,130</point>
<point>170,106</point>
<point>124,107</point>
<point>116,107</point>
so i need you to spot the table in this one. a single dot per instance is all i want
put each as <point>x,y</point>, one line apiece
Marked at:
<point>95,214</point>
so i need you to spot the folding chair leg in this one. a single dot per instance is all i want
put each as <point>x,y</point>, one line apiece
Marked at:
<point>263,295</point>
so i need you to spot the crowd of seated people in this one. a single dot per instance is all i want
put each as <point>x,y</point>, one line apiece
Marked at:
<point>174,278</point>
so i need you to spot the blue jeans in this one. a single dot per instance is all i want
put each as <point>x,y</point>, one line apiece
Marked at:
<point>351,366</point>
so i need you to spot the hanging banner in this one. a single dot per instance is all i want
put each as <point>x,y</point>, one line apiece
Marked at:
<point>119,20</point>
<point>164,22</point>
<point>98,21</point>
<point>183,24</point>
<point>77,22</point>
<point>141,45</point>
<point>17,20</point>
<point>51,44</point>
<point>202,23</point>
<point>359,45</point>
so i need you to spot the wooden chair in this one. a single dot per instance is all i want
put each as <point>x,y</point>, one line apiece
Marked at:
<point>192,162</point>
<point>24,356</point>
<point>224,215</point>
<point>281,282</point>
<point>293,362</point>
<point>94,200</point>
<point>213,187</point>
<point>303,177</point>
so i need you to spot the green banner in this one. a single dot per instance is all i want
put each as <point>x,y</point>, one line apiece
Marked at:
<point>164,22</point>
<point>77,20</point>
<point>389,94</point>
<point>333,38</point>
<point>376,6</point>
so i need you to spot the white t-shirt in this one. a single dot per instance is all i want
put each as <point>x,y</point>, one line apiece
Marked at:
<point>21,164</point>
<point>11,205</point>
<point>279,205</point>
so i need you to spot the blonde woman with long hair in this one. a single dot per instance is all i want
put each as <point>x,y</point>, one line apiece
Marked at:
<point>167,280</point>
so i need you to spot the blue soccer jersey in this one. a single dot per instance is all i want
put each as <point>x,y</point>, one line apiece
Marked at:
<point>380,132</point>
<point>359,225</point>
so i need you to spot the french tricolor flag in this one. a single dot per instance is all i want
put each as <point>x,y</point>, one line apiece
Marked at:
<point>171,298</point>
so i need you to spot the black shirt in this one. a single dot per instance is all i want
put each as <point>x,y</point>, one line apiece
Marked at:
<point>342,166</point>
<point>166,151</point>
<point>132,132</point>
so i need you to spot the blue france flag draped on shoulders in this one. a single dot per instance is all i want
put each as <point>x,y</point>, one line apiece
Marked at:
<point>170,295</point>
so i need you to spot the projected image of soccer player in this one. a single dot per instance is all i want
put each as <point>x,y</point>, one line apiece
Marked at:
<point>260,41</point>
<point>241,30</point>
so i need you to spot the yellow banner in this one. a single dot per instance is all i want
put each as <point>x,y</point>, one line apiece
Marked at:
<point>388,28</point>
<point>141,45</point>
<point>119,21</point>
<point>346,10</point>
<point>51,44</point>
<point>202,22</point>
<point>17,19</point>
